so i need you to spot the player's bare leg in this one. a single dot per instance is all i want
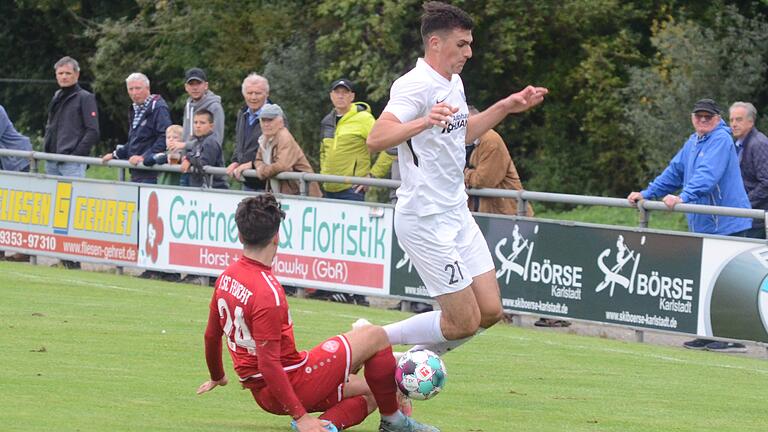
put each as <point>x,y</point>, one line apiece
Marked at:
<point>488,295</point>
<point>463,314</point>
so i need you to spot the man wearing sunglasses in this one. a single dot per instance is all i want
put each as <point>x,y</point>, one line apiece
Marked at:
<point>705,171</point>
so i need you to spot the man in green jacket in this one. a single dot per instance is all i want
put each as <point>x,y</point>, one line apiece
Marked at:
<point>343,151</point>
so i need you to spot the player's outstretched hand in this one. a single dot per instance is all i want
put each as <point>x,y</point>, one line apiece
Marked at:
<point>440,115</point>
<point>211,384</point>
<point>525,99</point>
<point>308,423</point>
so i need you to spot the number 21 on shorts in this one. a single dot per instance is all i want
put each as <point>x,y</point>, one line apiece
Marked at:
<point>454,270</point>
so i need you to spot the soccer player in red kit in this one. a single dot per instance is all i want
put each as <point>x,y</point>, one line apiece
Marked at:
<point>249,309</point>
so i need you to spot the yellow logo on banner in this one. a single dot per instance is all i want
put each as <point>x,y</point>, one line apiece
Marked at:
<point>63,202</point>
<point>25,207</point>
<point>104,215</point>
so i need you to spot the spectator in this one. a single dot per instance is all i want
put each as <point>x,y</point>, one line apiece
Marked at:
<point>200,97</point>
<point>279,152</point>
<point>196,86</point>
<point>73,124</point>
<point>248,129</point>
<point>707,170</point>
<point>752,149</point>
<point>11,139</point>
<point>173,136</point>
<point>148,120</point>
<point>204,151</point>
<point>489,165</point>
<point>343,150</point>
<point>72,127</point>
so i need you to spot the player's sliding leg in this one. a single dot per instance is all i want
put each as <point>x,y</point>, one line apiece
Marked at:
<point>350,411</point>
<point>369,346</point>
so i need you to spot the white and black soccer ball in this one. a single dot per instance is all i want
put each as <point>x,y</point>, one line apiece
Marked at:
<point>420,374</point>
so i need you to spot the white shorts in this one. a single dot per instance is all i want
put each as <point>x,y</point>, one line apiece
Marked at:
<point>447,249</point>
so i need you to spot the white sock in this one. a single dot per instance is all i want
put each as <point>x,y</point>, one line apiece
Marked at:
<point>443,347</point>
<point>423,328</point>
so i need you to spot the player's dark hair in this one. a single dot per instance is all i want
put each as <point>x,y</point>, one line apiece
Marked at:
<point>439,16</point>
<point>258,219</point>
<point>205,112</point>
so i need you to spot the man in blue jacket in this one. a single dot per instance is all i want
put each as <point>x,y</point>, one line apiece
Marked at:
<point>147,122</point>
<point>752,148</point>
<point>707,171</point>
<point>11,139</point>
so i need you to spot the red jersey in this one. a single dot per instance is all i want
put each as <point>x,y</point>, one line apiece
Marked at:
<point>249,304</point>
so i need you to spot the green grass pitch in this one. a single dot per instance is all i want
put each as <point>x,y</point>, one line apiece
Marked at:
<point>85,351</point>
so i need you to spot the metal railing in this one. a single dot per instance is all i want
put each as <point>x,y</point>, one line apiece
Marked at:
<point>523,196</point>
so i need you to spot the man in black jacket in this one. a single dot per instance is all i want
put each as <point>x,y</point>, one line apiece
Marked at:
<point>73,122</point>
<point>752,148</point>
<point>248,130</point>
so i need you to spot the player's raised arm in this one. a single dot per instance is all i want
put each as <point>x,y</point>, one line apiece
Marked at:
<point>521,101</point>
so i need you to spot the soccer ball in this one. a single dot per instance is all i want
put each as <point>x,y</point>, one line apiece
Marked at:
<point>420,374</point>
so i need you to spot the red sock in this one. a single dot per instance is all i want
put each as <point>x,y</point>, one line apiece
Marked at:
<point>347,413</point>
<point>380,376</point>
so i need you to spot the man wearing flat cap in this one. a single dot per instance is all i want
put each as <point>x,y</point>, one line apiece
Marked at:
<point>343,150</point>
<point>279,152</point>
<point>705,171</point>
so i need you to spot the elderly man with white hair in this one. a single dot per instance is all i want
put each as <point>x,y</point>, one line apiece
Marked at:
<point>148,119</point>
<point>752,148</point>
<point>248,129</point>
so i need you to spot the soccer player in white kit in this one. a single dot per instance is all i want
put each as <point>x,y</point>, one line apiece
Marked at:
<point>427,118</point>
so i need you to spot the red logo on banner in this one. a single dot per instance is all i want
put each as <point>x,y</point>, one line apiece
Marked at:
<point>154,228</point>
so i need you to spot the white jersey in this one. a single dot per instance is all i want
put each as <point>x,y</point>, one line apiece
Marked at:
<point>432,162</point>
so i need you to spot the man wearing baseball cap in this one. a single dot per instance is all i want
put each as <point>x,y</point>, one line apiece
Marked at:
<point>343,150</point>
<point>200,97</point>
<point>706,170</point>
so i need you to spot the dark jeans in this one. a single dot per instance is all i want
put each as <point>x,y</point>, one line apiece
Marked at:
<point>756,233</point>
<point>145,180</point>
<point>348,194</point>
<point>250,189</point>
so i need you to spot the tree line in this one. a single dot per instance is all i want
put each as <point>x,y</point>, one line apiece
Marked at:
<point>622,75</point>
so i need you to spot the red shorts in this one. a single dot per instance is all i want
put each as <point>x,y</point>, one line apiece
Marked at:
<point>319,384</point>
